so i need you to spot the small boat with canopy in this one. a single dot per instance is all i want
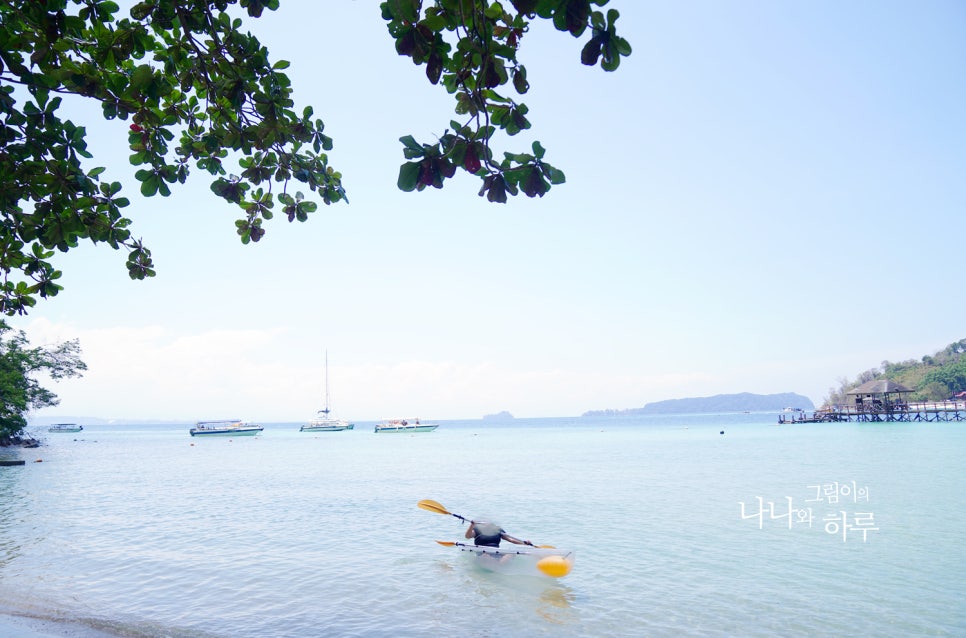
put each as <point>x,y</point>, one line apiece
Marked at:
<point>405,425</point>
<point>227,427</point>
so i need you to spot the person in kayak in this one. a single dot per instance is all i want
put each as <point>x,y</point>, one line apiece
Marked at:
<point>489,535</point>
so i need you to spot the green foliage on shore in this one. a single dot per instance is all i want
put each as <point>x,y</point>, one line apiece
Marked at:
<point>933,378</point>
<point>20,392</point>
<point>199,89</point>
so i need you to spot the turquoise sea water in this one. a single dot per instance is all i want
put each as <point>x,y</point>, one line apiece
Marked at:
<point>144,531</point>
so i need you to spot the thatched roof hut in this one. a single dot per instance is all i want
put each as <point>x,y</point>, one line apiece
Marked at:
<point>881,393</point>
<point>880,386</point>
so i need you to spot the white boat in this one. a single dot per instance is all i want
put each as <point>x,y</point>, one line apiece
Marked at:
<point>322,421</point>
<point>65,427</point>
<point>229,427</point>
<point>405,425</point>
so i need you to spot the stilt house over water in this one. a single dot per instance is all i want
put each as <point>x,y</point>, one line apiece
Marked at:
<point>881,395</point>
<point>883,400</point>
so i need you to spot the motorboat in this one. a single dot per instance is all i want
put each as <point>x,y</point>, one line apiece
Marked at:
<point>65,427</point>
<point>229,427</point>
<point>405,425</point>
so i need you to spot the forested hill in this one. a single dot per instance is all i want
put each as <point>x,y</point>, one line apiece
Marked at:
<point>932,378</point>
<point>743,402</point>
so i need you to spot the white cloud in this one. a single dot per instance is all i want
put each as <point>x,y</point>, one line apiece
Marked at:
<point>150,373</point>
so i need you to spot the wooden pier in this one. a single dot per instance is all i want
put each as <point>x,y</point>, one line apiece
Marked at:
<point>879,411</point>
<point>882,400</point>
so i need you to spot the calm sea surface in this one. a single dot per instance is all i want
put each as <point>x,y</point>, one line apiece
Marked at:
<point>679,530</point>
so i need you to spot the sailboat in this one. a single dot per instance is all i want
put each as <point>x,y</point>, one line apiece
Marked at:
<point>322,421</point>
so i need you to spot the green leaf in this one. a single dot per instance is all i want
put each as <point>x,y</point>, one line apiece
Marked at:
<point>622,45</point>
<point>408,176</point>
<point>520,81</point>
<point>149,187</point>
<point>142,77</point>
<point>556,176</point>
<point>410,143</point>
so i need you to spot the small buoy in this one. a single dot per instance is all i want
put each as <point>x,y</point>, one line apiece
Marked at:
<point>39,461</point>
<point>554,566</point>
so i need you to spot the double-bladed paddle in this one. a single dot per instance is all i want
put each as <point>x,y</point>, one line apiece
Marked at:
<point>432,506</point>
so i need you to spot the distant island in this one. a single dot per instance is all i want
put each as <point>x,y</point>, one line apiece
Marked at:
<point>743,402</point>
<point>499,416</point>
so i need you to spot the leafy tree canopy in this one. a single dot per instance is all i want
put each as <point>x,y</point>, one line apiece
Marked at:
<point>197,88</point>
<point>19,391</point>
<point>470,48</point>
<point>933,378</point>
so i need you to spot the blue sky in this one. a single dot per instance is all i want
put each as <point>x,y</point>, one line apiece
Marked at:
<point>765,197</point>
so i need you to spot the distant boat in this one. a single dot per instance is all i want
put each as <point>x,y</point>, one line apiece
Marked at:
<point>405,425</point>
<point>229,427</point>
<point>322,422</point>
<point>65,427</point>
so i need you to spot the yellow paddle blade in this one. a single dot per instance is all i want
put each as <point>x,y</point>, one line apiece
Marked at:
<point>545,546</point>
<point>432,506</point>
<point>554,566</point>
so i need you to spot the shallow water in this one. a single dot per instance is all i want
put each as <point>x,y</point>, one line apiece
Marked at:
<point>144,531</point>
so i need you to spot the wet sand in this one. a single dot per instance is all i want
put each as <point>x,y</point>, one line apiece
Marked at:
<point>12,626</point>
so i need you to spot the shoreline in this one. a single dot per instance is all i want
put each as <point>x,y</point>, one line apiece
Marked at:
<point>14,625</point>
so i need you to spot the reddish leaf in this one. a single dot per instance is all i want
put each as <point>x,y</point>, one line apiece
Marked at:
<point>434,67</point>
<point>591,52</point>
<point>535,185</point>
<point>471,161</point>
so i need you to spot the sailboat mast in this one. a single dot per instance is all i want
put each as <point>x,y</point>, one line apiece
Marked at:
<point>326,382</point>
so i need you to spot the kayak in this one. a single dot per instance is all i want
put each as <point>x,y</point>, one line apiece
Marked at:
<point>528,561</point>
